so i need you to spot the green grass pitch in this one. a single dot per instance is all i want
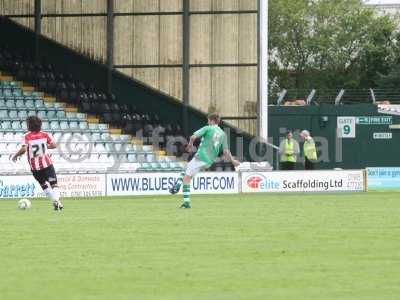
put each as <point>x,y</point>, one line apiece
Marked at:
<point>264,246</point>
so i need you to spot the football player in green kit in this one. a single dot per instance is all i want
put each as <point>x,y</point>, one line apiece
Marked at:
<point>213,139</point>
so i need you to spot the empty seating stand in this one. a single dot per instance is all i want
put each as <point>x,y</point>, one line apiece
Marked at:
<point>18,103</point>
<point>84,145</point>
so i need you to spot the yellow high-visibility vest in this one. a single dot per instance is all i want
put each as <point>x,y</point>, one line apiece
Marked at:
<point>288,154</point>
<point>309,149</point>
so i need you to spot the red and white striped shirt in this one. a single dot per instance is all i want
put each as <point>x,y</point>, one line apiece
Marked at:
<point>36,144</point>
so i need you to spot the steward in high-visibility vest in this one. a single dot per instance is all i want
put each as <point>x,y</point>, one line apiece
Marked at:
<point>309,150</point>
<point>289,149</point>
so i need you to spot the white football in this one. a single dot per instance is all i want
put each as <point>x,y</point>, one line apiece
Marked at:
<point>24,204</point>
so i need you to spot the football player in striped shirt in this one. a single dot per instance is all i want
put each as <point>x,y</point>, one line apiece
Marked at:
<point>36,143</point>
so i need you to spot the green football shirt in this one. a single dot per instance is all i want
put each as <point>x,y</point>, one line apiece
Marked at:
<point>213,138</point>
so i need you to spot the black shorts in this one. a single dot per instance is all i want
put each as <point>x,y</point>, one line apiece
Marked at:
<point>45,175</point>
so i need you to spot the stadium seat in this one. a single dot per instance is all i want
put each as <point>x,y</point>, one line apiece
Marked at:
<point>141,158</point>
<point>104,158</point>
<point>13,114</point>
<point>150,158</point>
<point>3,149</point>
<point>128,147</point>
<point>95,136</point>
<point>124,138</point>
<point>132,158</point>
<point>70,115</point>
<point>9,137</point>
<point>114,138</point>
<point>120,147</point>
<point>22,114</point>
<point>121,158</point>
<point>144,167</point>
<point>105,136</point>
<point>39,104</point>
<point>93,126</point>
<point>58,106</point>
<point>155,167</point>
<point>103,127</point>
<point>110,147</point>
<point>83,125</point>
<point>10,104</point>
<point>12,147</point>
<point>7,93</point>
<point>32,113</point>
<point>55,157</point>
<point>147,148</point>
<point>45,125</point>
<point>64,125</point>
<point>48,105</point>
<point>50,114</point>
<point>60,114</point>
<point>57,136</point>
<point>174,166</point>
<point>73,125</point>
<point>17,92</point>
<point>6,164</point>
<point>54,125</point>
<point>165,166</point>
<point>100,148</point>
<point>42,114</point>
<point>3,114</point>
<point>62,138</point>
<point>29,103</point>
<point>27,94</point>
<point>20,104</point>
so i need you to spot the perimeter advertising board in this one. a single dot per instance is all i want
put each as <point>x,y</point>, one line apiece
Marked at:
<point>383,178</point>
<point>303,181</point>
<point>79,185</point>
<point>160,183</point>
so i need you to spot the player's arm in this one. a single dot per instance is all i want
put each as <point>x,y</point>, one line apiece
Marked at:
<point>192,139</point>
<point>228,155</point>
<point>20,152</point>
<point>51,144</point>
<point>198,134</point>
